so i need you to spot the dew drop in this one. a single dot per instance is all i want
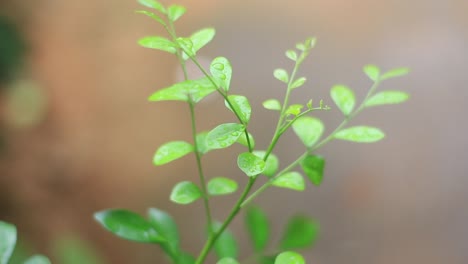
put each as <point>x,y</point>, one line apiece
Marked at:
<point>218,66</point>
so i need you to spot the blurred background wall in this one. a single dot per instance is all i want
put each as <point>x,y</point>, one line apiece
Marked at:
<point>78,133</point>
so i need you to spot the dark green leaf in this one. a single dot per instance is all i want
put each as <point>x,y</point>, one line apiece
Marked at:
<point>185,193</point>
<point>241,106</point>
<point>226,245</point>
<point>171,151</point>
<point>200,38</point>
<point>360,134</point>
<point>344,98</point>
<point>294,109</point>
<point>372,71</point>
<point>221,70</point>
<point>194,90</point>
<point>300,232</point>
<point>281,75</point>
<point>221,186</point>
<point>313,166</point>
<point>291,54</point>
<point>224,135</point>
<point>272,104</point>
<point>271,164</point>
<point>128,225</point>
<point>159,43</point>
<point>227,261</point>
<point>387,97</point>
<point>37,259</point>
<point>250,164</point>
<point>153,16</point>
<point>165,225</point>
<point>174,12</point>
<point>7,241</point>
<point>290,180</point>
<point>243,140</point>
<point>258,227</point>
<point>308,129</point>
<point>289,257</point>
<point>153,4</point>
<point>398,72</point>
<point>298,83</point>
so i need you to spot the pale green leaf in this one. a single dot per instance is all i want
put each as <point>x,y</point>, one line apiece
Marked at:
<point>271,164</point>
<point>360,134</point>
<point>224,135</point>
<point>250,164</point>
<point>190,90</point>
<point>387,97</point>
<point>289,257</point>
<point>201,142</point>
<point>153,4</point>
<point>171,151</point>
<point>227,261</point>
<point>153,16</point>
<point>241,106</point>
<point>185,192</point>
<point>372,71</point>
<point>298,83</point>
<point>187,45</point>
<point>398,72</point>
<point>272,104</point>
<point>243,140</point>
<point>221,186</point>
<point>258,227</point>
<point>159,43</point>
<point>313,166</point>
<point>7,241</point>
<point>308,129</point>
<point>290,180</point>
<point>174,12</point>
<point>294,109</point>
<point>221,70</point>
<point>199,39</point>
<point>281,75</point>
<point>344,98</point>
<point>37,259</point>
<point>291,54</point>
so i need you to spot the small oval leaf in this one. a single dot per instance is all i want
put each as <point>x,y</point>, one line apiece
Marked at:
<point>153,16</point>
<point>289,257</point>
<point>37,259</point>
<point>227,261</point>
<point>308,129</point>
<point>185,192</point>
<point>241,106</point>
<point>201,142</point>
<point>271,164</point>
<point>171,151</point>
<point>298,83</point>
<point>258,227</point>
<point>290,180</point>
<point>174,12</point>
<point>243,140</point>
<point>313,166</point>
<point>294,109</point>
<point>224,135</point>
<point>199,39</point>
<point>128,225</point>
<point>301,232</point>
<point>291,54</point>
<point>221,70</point>
<point>226,245</point>
<point>372,71</point>
<point>221,186</point>
<point>387,97</point>
<point>398,72</point>
<point>159,43</point>
<point>153,4</point>
<point>8,235</point>
<point>194,90</point>
<point>344,98</point>
<point>272,104</point>
<point>360,134</point>
<point>250,164</point>
<point>281,75</point>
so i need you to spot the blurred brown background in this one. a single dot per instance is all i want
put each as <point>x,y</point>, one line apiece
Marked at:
<point>79,135</point>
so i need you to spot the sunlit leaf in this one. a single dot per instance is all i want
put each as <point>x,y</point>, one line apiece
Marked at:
<point>153,16</point>
<point>313,166</point>
<point>291,54</point>
<point>221,70</point>
<point>250,164</point>
<point>171,151</point>
<point>290,180</point>
<point>398,72</point>
<point>360,134</point>
<point>128,225</point>
<point>194,90</point>
<point>221,186</point>
<point>301,232</point>
<point>272,104</point>
<point>298,83</point>
<point>158,43</point>
<point>271,164</point>
<point>224,135</point>
<point>308,129</point>
<point>258,227</point>
<point>387,97</point>
<point>185,192</point>
<point>174,12</point>
<point>7,241</point>
<point>153,4</point>
<point>226,245</point>
<point>294,109</point>
<point>241,106</point>
<point>199,39</point>
<point>372,71</point>
<point>281,75</point>
<point>344,98</point>
<point>227,261</point>
<point>186,44</point>
<point>37,259</point>
<point>243,140</point>
<point>289,257</point>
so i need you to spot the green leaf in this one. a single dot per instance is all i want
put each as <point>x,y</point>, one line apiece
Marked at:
<point>387,97</point>
<point>300,232</point>
<point>290,180</point>
<point>221,186</point>
<point>171,151</point>
<point>298,83</point>
<point>271,164</point>
<point>128,225</point>
<point>360,134</point>
<point>199,39</point>
<point>241,106</point>
<point>313,166</point>
<point>174,12</point>
<point>185,258</point>
<point>372,71</point>
<point>272,104</point>
<point>344,98</point>
<point>201,142</point>
<point>224,135</point>
<point>291,54</point>
<point>153,16</point>
<point>250,164</point>
<point>159,43</point>
<point>398,72</point>
<point>227,261</point>
<point>294,109</point>
<point>194,90</point>
<point>258,227</point>
<point>226,245</point>
<point>187,46</point>
<point>37,259</point>
<point>7,241</point>
<point>221,70</point>
<point>243,140</point>
<point>308,129</point>
<point>165,225</point>
<point>153,4</point>
<point>281,75</point>
<point>289,257</point>
<point>185,193</point>
<point>70,249</point>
